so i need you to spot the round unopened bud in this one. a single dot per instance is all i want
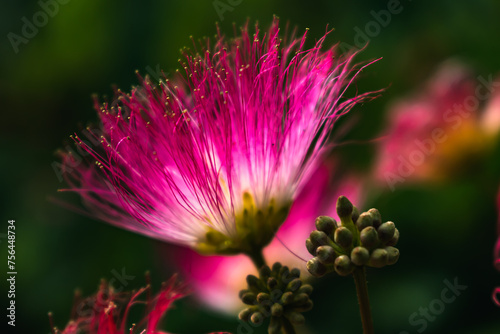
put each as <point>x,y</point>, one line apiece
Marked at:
<point>245,314</point>
<point>249,298</point>
<point>355,214</point>
<point>378,258</point>
<point>257,318</point>
<point>272,283</point>
<point>276,310</point>
<point>343,265</point>
<point>394,240</point>
<point>284,273</point>
<point>300,298</point>
<point>343,237</point>
<point>296,318</point>
<point>304,307</point>
<point>253,282</point>
<point>326,254</point>
<point>344,207</point>
<point>392,255</point>
<point>386,231</point>
<point>377,218</point>
<point>360,256</point>
<point>276,268</point>
<point>311,248</point>
<point>315,267</point>
<point>365,219</point>
<point>294,284</point>
<point>295,272</point>
<point>264,273</point>
<point>369,237</point>
<point>326,224</point>
<point>318,238</point>
<point>262,297</point>
<point>306,288</point>
<point>287,298</point>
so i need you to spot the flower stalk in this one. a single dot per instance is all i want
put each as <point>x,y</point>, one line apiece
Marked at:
<point>363,299</point>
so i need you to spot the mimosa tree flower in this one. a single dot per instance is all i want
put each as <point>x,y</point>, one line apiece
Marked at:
<point>431,136</point>
<point>107,311</point>
<point>214,159</point>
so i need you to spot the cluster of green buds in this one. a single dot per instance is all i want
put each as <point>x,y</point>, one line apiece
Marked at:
<point>277,293</point>
<point>360,240</point>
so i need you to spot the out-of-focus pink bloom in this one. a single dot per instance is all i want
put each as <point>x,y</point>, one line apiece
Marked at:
<point>214,160</point>
<point>216,280</point>
<point>490,120</point>
<point>107,311</point>
<point>437,131</point>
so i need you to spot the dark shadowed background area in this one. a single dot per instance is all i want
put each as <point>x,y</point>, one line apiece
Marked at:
<point>80,48</point>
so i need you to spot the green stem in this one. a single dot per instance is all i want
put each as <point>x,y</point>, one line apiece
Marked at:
<point>359,275</point>
<point>257,259</point>
<point>287,327</point>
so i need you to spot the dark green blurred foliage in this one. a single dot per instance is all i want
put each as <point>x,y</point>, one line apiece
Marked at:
<point>447,230</point>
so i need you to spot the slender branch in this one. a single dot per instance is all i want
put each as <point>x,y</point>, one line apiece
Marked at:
<point>359,275</point>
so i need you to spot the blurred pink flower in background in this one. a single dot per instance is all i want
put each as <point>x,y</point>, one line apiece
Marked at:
<point>216,280</point>
<point>440,129</point>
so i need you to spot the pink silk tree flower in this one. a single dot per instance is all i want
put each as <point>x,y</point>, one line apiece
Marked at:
<point>496,255</point>
<point>433,134</point>
<point>216,280</point>
<point>214,159</point>
<point>107,311</point>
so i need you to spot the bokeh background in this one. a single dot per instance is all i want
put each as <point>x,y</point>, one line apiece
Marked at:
<point>448,228</point>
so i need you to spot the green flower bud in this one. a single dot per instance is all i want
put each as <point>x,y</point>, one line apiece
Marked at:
<point>326,224</point>
<point>272,283</point>
<point>360,256</point>
<point>386,231</point>
<point>264,273</point>
<point>245,314</point>
<point>274,326</point>
<point>262,297</point>
<point>311,248</point>
<point>343,237</point>
<point>378,258</point>
<point>276,268</point>
<point>287,298</point>
<point>277,310</point>
<point>377,218</point>
<point>296,318</point>
<point>249,298</point>
<point>355,214</point>
<point>295,272</point>
<point>257,318</point>
<point>294,285</point>
<point>369,237</point>
<point>306,288</point>
<point>392,255</point>
<point>305,307</point>
<point>343,265</point>
<point>394,239</point>
<point>344,207</point>
<point>301,299</point>
<point>365,219</point>
<point>284,273</point>
<point>253,282</point>
<point>315,267</point>
<point>318,238</point>
<point>326,254</point>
